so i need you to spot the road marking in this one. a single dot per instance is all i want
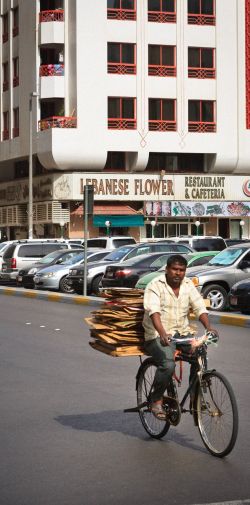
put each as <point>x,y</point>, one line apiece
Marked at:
<point>57,329</point>
<point>27,323</point>
<point>42,326</point>
<point>235,502</point>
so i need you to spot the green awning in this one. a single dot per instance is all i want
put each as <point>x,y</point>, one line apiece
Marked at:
<point>118,221</point>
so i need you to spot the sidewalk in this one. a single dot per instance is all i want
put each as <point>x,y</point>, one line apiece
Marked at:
<point>230,318</point>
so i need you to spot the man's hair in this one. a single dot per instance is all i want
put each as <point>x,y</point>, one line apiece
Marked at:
<point>176,258</point>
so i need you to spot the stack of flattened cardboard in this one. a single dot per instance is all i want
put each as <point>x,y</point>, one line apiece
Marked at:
<point>116,328</point>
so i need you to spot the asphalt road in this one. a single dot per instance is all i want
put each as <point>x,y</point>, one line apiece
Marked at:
<point>64,438</point>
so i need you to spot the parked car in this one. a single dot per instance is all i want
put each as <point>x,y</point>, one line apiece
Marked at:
<point>196,258</point>
<point>239,296</point>
<point>23,253</point>
<point>95,272</point>
<point>234,241</point>
<point>26,275</point>
<point>55,276</point>
<point>110,242</point>
<point>203,242</point>
<point>3,247</point>
<point>127,273</point>
<point>215,279</point>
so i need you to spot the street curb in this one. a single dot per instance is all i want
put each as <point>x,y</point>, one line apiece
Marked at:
<point>231,319</point>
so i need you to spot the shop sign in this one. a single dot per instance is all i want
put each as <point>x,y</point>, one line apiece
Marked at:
<point>16,192</point>
<point>196,209</point>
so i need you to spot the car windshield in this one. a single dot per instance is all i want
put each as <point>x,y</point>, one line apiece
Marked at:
<point>74,259</point>
<point>49,257</point>
<point>117,254</point>
<point>226,257</point>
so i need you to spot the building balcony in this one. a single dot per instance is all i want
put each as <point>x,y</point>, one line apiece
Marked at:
<point>201,19</point>
<point>162,126</point>
<point>121,14</point>
<point>50,16</point>
<point>55,69</point>
<point>161,17</point>
<point>162,70</point>
<point>6,134</point>
<point>5,37</point>
<point>57,122</point>
<point>201,127</point>
<point>122,68</point>
<point>15,31</point>
<point>5,85</point>
<point>201,73</point>
<point>121,124</point>
<point>15,81</point>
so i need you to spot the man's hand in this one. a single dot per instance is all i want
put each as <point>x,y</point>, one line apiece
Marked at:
<point>165,339</point>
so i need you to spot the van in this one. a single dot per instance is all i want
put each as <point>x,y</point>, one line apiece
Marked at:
<point>23,253</point>
<point>110,242</point>
<point>202,242</point>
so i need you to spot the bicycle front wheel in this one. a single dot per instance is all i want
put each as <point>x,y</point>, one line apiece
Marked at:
<point>153,426</point>
<point>217,414</point>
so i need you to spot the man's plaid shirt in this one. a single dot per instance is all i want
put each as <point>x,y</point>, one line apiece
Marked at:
<point>174,312</point>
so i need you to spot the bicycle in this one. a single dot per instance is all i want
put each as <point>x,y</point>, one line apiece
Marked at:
<point>214,406</point>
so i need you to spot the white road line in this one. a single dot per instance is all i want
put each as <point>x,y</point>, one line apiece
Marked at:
<point>235,502</point>
<point>57,329</point>
<point>27,323</point>
<point>42,326</point>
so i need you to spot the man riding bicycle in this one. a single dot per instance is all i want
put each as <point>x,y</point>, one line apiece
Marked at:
<point>167,303</point>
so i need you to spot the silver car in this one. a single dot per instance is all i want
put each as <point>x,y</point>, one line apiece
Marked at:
<point>55,276</point>
<point>215,279</point>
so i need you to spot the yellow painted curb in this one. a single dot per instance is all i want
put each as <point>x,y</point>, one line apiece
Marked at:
<point>54,297</point>
<point>9,291</point>
<point>234,321</point>
<point>80,300</point>
<point>30,294</point>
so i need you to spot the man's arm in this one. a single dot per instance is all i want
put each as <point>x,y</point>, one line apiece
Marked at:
<point>205,321</point>
<point>164,336</point>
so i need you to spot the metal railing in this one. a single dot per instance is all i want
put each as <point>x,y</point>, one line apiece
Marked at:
<point>121,124</point>
<point>6,134</point>
<point>162,70</point>
<point>15,132</point>
<point>52,15</point>
<point>122,68</point>
<point>201,19</point>
<point>57,122</point>
<point>122,14</point>
<point>201,127</point>
<point>162,17</point>
<point>201,73</point>
<point>5,85</point>
<point>162,125</point>
<point>15,31</point>
<point>15,81</point>
<point>55,69</point>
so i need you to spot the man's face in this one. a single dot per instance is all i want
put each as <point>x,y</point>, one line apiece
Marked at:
<point>175,274</point>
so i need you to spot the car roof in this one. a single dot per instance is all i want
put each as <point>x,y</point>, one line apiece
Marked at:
<point>141,257</point>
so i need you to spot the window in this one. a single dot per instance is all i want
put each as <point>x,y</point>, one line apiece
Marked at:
<point>161,60</point>
<point>162,114</point>
<point>121,58</point>
<point>5,28</point>
<point>201,62</point>
<point>116,161</point>
<point>6,132</point>
<point>16,122</point>
<point>121,113</point>
<point>121,9</point>
<point>201,12</point>
<point>162,11</point>
<point>15,29</point>
<point>201,114</point>
<point>5,76</point>
<point>15,72</point>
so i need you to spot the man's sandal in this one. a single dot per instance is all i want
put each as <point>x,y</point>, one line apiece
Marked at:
<point>158,411</point>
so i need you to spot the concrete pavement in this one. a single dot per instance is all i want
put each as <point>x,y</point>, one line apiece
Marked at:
<point>230,318</point>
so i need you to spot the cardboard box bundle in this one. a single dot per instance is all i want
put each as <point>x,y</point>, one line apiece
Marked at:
<point>116,328</point>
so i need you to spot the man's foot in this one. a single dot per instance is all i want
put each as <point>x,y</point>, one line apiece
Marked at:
<point>157,409</point>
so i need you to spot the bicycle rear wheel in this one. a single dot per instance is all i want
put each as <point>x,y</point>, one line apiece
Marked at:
<point>217,414</point>
<point>153,426</point>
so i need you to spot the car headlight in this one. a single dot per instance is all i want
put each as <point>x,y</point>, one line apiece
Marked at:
<point>50,274</point>
<point>32,271</point>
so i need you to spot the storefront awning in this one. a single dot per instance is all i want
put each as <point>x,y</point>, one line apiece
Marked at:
<point>119,215</point>
<point>118,221</point>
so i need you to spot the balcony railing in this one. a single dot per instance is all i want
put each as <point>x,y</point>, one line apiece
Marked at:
<point>122,68</point>
<point>162,70</point>
<point>6,134</point>
<point>57,122</point>
<point>55,15</point>
<point>121,124</point>
<point>201,73</point>
<point>162,17</point>
<point>15,81</point>
<point>5,37</point>
<point>56,69</point>
<point>162,126</point>
<point>201,19</point>
<point>15,31</point>
<point>122,14</point>
<point>15,132</point>
<point>201,127</point>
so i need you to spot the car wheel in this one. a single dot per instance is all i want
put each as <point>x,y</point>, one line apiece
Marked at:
<point>96,284</point>
<point>217,295</point>
<point>64,286</point>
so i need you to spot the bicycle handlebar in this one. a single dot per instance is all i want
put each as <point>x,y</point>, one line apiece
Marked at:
<point>210,337</point>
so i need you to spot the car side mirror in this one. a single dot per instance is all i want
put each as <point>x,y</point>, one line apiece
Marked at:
<point>59,261</point>
<point>244,264</point>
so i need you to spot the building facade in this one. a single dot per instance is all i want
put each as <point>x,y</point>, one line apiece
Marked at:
<point>146,100</point>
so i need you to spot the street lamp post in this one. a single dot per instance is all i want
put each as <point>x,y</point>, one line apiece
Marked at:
<point>107,224</point>
<point>30,205</point>
<point>153,223</point>
<point>197,224</point>
<point>62,227</point>
<point>242,223</point>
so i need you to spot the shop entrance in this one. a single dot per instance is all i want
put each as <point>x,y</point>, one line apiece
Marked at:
<point>224,230</point>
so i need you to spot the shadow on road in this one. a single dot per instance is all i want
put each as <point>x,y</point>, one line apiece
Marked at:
<point>118,421</point>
